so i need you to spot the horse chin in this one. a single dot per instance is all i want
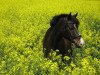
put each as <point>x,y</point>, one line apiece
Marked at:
<point>77,46</point>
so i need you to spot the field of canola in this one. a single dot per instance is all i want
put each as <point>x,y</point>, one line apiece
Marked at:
<point>23,24</point>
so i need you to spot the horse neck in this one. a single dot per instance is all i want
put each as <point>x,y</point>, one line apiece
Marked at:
<point>54,37</point>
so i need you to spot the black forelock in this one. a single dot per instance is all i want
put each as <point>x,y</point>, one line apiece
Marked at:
<point>75,20</point>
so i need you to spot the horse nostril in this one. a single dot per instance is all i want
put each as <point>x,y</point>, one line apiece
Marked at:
<point>81,44</point>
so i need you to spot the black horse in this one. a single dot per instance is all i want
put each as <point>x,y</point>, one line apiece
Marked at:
<point>63,32</point>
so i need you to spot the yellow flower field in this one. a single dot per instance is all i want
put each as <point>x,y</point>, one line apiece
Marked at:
<point>23,24</point>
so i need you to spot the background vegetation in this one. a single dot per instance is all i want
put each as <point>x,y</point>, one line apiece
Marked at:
<point>23,24</point>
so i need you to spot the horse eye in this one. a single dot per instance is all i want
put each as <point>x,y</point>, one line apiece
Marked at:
<point>74,25</point>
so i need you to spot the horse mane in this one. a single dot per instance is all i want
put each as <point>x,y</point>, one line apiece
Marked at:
<point>55,34</point>
<point>56,19</point>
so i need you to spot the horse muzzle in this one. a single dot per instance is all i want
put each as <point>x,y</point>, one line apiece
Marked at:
<point>79,42</point>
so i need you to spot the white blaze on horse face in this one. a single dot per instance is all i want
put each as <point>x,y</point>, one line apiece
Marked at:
<point>81,42</point>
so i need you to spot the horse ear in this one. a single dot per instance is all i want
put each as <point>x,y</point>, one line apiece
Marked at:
<point>75,15</point>
<point>69,16</point>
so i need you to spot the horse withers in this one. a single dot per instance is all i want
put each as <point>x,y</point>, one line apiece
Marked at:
<point>63,32</point>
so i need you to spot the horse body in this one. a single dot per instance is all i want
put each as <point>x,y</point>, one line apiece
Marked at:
<point>59,36</point>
